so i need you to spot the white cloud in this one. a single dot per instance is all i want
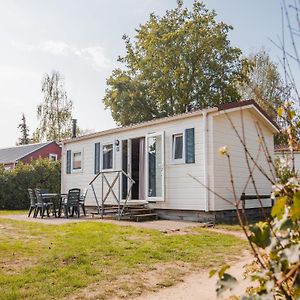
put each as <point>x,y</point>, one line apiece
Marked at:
<point>55,48</point>
<point>94,55</point>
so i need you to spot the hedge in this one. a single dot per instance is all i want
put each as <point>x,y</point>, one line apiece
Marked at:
<point>40,173</point>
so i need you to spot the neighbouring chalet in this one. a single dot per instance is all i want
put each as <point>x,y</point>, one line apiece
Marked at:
<point>9,157</point>
<point>285,152</point>
<point>161,154</point>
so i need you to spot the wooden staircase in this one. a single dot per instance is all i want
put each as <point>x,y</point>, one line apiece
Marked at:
<point>132,210</point>
<point>139,213</point>
<point>136,212</point>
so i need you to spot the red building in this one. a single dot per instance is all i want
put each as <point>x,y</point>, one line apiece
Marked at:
<point>9,157</point>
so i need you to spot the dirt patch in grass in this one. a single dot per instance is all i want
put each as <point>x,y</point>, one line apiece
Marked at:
<point>10,230</point>
<point>134,284</point>
<point>16,266</point>
<point>238,234</point>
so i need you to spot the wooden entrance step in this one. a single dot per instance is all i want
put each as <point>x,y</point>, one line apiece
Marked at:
<point>138,211</point>
<point>144,217</point>
<point>140,217</point>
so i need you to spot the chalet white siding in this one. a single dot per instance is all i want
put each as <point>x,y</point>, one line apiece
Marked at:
<point>181,191</point>
<point>223,134</point>
<point>212,130</point>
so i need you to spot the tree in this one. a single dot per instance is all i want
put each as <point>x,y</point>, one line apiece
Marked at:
<point>24,139</point>
<point>182,58</point>
<point>264,83</point>
<point>55,113</point>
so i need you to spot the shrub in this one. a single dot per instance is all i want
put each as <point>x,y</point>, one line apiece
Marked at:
<point>40,173</point>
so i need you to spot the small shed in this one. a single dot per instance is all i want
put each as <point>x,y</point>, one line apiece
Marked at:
<point>163,155</point>
<point>9,157</point>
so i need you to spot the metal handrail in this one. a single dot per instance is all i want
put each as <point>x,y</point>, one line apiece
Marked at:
<point>111,191</point>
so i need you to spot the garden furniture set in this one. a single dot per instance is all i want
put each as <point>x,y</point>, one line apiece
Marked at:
<point>41,202</point>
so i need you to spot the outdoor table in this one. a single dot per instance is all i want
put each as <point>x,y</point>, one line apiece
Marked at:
<point>57,203</point>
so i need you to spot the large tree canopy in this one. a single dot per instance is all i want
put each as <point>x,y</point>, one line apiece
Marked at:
<point>182,58</point>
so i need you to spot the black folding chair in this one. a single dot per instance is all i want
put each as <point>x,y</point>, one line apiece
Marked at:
<point>72,203</point>
<point>42,205</point>
<point>33,202</point>
<point>82,200</point>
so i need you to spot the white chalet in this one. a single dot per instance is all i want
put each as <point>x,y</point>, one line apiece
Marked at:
<point>161,154</point>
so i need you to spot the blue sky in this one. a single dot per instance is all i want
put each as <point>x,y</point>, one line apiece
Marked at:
<point>82,39</point>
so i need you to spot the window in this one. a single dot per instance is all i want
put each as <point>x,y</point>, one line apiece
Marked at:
<point>77,161</point>
<point>107,156</point>
<point>53,157</point>
<point>177,148</point>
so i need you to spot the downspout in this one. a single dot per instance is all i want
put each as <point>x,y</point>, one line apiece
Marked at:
<point>205,157</point>
<point>62,167</point>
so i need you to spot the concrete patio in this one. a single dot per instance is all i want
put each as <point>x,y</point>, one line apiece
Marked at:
<point>166,226</point>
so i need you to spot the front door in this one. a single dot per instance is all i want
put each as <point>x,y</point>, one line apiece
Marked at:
<point>155,161</point>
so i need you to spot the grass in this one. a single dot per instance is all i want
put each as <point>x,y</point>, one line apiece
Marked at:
<point>13,212</point>
<point>49,261</point>
<point>235,227</point>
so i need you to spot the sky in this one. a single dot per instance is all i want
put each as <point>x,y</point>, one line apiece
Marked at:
<point>82,40</point>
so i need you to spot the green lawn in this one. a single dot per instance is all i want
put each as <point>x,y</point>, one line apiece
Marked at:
<point>40,261</point>
<point>13,212</point>
<point>235,227</point>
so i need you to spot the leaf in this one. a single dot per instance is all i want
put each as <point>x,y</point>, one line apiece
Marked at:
<point>261,234</point>
<point>278,208</point>
<point>222,270</point>
<point>212,273</point>
<point>295,209</point>
<point>226,283</point>
<point>291,114</point>
<point>280,111</point>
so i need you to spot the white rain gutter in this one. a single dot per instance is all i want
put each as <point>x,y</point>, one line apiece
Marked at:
<point>205,155</point>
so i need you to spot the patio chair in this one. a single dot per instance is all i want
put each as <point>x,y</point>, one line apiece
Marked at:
<point>42,205</point>
<point>33,201</point>
<point>82,200</point>
<point>72,202</point>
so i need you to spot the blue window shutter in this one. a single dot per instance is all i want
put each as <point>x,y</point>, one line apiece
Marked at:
<point>190,145</point>
<point>97,158</point>
<point>68,161</point>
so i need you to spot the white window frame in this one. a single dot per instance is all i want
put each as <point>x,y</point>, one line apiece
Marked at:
<point>177,160</point>
<point>113,155</point>
<point>52,155</point>
<point>72,161</point>
<point>162,197</point>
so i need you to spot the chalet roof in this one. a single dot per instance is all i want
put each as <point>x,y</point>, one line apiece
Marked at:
<point>223,107</point>
<point>13,154</point>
